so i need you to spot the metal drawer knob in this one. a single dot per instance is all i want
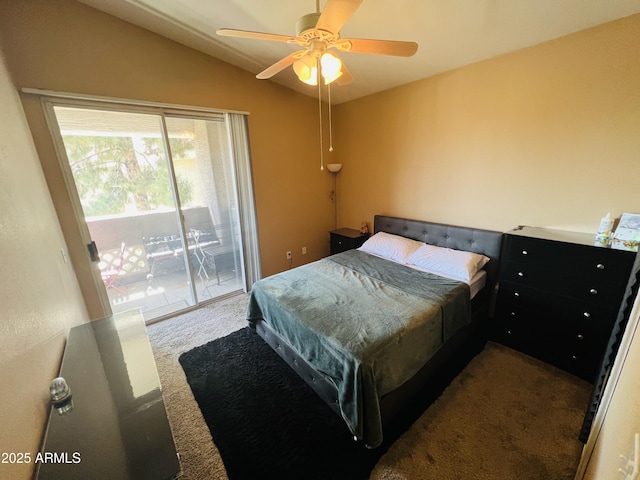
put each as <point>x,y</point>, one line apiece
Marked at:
<point>586,314</point>
<point>513,314</point>
<point>524,252</point>
<point>516,294</point>
<point>520,274</point>
<point>600,266</point>
<point>573,357</point>
<point>593,291</point>
<point>580,336</point>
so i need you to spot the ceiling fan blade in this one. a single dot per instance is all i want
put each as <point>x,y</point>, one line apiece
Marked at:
<point>230,32</point>
<point>380,47</point>
<point>336,13</point>
<point>280,65</point>
<point>346,78</point>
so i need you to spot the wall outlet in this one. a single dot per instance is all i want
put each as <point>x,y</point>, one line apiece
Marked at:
<point>289,255</point>
<point>304,250</point>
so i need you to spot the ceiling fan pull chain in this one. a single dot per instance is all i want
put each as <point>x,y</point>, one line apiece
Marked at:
<point>330,127</point>
<point>320,117</point>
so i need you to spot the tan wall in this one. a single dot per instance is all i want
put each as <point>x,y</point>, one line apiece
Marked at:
<point>39,295</point>
<point>66,46</point>
<point>546,136</point>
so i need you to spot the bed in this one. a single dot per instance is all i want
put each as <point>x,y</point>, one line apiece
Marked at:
<point>368,328</point>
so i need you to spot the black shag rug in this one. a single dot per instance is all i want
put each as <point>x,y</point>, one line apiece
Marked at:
<point>267,422</point>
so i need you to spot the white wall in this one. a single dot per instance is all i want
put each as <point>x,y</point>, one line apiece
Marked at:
<point>618,419</point>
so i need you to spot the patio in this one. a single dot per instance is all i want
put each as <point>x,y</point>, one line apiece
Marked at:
<point>142,260</point>
<point>170,291</point>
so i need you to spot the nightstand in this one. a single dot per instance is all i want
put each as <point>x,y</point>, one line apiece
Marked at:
<point>346,239</point>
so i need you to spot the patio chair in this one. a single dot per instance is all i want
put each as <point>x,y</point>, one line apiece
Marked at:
<point>111,274</point>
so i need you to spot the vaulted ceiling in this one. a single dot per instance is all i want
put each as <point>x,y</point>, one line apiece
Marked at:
<point>450,33</point>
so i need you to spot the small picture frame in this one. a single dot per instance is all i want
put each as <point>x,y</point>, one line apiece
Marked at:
<point>627,234</point>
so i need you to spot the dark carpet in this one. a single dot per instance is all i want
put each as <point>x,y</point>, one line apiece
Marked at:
<point>267,422</point>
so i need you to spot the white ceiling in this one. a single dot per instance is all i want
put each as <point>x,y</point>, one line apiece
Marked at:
<point>450,33</point>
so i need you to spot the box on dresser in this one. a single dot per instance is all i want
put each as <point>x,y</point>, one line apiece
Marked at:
<point>558,297</point>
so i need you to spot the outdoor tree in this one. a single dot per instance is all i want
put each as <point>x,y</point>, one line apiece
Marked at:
<point>114,173</point>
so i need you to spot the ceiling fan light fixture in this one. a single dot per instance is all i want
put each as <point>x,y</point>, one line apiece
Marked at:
<point>307,70</point>
<point>331,67</point>
<point>315,33</point>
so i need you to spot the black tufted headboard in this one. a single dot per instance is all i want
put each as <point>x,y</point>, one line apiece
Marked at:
<point>486,242</point>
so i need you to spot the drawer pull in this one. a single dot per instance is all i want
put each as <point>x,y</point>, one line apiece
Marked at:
<point>513,314</point>
<point>586,314</point>
<point>524,252</point>
<point>520,274</point>
<point>574,358</point>
<point>580,336</point>
<point>516,294</point>
<point>593,291</point>
<point>600,266</point>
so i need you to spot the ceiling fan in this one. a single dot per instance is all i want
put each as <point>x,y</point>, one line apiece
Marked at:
<point>318,32</point>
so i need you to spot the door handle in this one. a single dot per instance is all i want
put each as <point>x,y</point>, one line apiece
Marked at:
<point>93,251</point>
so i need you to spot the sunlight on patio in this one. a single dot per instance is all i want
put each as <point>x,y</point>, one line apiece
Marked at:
<point>168,292</point>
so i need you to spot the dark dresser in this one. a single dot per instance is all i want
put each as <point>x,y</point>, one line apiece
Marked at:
<point>117,427</point>
<point>559,294</point>
<point>344,239</point>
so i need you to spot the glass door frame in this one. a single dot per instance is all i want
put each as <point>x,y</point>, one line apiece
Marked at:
<point>125,106</point>
<point>176,200</point>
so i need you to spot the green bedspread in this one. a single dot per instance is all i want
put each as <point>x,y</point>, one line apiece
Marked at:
<point>367,323</point>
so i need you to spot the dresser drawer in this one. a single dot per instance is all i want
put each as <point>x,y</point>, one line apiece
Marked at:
<point>527,330</point>
<point>558,330</point>
<point>560,259</point>
<point>581,355</point>
<point>593,289</point>
<point>573,312</point>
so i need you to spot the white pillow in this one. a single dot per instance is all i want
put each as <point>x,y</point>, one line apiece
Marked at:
<point>391,247</point>
<point>456,264</point>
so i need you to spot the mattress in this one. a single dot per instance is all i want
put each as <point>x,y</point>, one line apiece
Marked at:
<point>476,284</point>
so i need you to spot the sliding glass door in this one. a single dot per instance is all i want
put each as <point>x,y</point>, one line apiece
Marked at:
<point>158,196</point>
<point>209,202</point>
